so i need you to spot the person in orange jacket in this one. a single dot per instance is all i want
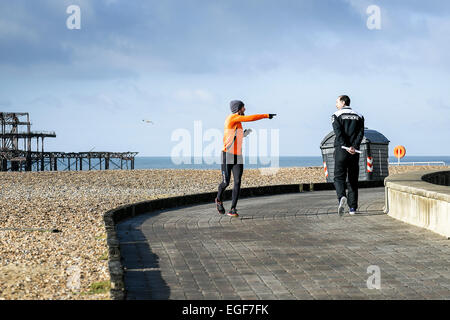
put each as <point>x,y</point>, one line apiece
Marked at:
<point>232,160</point>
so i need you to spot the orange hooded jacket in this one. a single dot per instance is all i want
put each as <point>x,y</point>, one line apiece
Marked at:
<point>233,133</point>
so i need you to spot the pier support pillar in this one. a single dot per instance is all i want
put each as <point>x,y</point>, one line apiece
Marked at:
<point>28,166</point>
<point>14,166</point>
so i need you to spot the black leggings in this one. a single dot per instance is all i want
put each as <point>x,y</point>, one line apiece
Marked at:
<point>231,163</point>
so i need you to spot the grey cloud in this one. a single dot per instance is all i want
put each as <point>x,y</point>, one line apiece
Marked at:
<point>145,36</point>
<point>129,38</point>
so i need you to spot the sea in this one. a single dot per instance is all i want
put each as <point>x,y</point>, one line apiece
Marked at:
<point>255,163</point>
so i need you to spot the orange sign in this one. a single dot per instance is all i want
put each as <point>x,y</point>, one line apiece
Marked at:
<point>399,152</point>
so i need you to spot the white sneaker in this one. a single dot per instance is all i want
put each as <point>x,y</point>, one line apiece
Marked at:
<point>342,205</point>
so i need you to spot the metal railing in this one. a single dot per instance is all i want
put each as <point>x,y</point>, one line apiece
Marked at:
<point>12,133</point>
<point>418,163</point>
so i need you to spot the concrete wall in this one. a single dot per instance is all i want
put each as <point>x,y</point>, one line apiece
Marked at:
<point>411,199</point>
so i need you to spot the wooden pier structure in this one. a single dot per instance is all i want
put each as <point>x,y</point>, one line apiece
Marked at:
<point>19,153</point>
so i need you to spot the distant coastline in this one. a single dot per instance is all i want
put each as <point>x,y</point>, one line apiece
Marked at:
<point>161,162</point>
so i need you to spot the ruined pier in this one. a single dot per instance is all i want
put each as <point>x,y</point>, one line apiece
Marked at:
<point>23,150</point>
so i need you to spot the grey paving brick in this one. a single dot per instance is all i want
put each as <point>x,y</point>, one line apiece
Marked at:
<point>287,247</point>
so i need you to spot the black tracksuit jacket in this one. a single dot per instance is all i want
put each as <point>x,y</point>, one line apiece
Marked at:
<point>348,127</point>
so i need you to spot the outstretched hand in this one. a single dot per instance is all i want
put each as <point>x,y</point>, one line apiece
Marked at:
<point>271,115</point>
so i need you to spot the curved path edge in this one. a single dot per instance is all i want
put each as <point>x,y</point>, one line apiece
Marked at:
<point>116,215</point>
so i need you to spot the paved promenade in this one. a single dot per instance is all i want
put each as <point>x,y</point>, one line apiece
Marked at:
<point>291,246</point>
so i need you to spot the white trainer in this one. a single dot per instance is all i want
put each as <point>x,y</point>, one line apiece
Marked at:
<point>342,205</point>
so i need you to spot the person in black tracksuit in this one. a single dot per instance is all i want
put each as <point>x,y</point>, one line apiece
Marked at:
<point>348,127</point>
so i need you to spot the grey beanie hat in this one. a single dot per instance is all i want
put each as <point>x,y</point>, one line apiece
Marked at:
<point>235,105</point>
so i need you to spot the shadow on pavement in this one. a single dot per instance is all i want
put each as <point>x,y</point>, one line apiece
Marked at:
<point>365,213</point>
<point>142,274</point>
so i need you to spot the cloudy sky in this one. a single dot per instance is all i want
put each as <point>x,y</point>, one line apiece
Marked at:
<point>175,62</point>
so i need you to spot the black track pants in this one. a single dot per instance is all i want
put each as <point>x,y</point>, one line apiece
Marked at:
<point>235,164</point>
<point>346,166</point>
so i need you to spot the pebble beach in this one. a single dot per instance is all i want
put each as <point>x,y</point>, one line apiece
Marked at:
<point>52,236</point>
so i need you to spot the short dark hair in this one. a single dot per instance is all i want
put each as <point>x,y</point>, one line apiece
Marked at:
<point>345,99</point>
